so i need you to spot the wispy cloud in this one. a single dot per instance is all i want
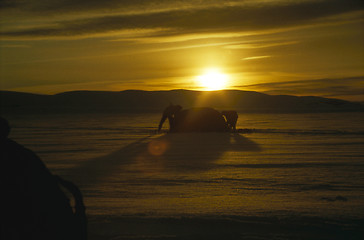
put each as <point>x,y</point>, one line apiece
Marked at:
<point>190,19</point>
<point>15,46</point>
<point>256,57</point>
<point>265,44</point>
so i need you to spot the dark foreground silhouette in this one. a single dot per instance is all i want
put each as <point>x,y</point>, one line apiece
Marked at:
<point>34,205</point>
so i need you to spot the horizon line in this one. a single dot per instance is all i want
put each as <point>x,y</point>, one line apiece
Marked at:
<point>178,89</point>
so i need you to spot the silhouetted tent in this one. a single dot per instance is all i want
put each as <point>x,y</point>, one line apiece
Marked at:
<point>202,119</point>
<point>34,206</point>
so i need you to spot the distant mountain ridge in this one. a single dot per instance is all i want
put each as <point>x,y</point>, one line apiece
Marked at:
<point>156,101</point>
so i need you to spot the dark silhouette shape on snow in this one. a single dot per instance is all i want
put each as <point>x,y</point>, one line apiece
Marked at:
<point>34,205</point>
<point>202,119</point>
<point>231,119</point>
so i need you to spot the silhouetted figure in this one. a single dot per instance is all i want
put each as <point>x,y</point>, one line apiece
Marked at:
<point>34,206</point>
<point>231,119</point>
<point>201,119</point>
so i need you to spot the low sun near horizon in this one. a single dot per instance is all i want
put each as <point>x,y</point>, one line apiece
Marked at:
<point>212,79</point>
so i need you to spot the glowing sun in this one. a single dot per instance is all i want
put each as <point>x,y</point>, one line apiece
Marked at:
<point>212,79</point>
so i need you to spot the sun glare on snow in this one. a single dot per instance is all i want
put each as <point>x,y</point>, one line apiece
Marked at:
<point>213,79</point>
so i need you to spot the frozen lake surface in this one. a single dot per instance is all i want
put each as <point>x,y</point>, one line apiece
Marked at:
<point>282,176</point>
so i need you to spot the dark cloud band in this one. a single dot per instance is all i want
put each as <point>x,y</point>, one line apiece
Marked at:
<point>226,18</point>
<point>334,87</point>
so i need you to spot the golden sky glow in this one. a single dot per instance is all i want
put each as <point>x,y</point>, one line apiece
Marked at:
<point>302,47</point>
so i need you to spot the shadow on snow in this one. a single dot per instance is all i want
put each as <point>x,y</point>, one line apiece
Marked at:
<point>169,152</point>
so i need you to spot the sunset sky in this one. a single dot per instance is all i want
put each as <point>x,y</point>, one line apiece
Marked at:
<point>302,47</point>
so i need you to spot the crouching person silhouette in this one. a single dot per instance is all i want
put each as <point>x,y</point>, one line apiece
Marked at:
<point>34,205</point>
<point>231,119</point>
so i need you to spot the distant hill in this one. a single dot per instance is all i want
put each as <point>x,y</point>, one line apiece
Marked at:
<point>156,101</point>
